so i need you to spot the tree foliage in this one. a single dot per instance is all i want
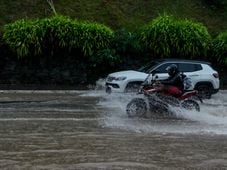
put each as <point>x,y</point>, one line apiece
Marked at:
<point>33,37</point>
<point>219,47</point>
<point>167,36</point>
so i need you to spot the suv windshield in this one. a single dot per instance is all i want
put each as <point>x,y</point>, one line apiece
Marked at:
<point>147,68</point>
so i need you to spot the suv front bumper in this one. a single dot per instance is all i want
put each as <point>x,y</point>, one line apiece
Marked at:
<point>113,87</point>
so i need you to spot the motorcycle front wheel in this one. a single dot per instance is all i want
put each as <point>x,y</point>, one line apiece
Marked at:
<point>136,108</point>
<point>190,105</point>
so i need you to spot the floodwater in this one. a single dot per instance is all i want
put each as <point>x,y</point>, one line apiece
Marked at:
<point>90,130</point>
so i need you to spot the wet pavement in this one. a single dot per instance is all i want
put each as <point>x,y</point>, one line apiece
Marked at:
<point>90,130</point>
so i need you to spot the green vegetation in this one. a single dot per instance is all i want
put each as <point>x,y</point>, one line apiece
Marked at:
<point>105,36</point>
<point>117,14</point>
<point>219,48</point>
<point>167,36</point>
<point>39,36</point>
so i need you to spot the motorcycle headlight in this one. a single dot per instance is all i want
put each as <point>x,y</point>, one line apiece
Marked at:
<point>120,78</point>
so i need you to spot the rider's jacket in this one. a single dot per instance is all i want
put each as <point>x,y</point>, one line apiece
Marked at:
<point>174,80</point>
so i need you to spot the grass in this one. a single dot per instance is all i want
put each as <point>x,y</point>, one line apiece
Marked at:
<point>130,14</point>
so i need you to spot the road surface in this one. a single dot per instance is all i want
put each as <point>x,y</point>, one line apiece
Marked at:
<point>90,130</point>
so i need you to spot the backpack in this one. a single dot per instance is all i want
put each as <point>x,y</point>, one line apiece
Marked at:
<point>187,82</point>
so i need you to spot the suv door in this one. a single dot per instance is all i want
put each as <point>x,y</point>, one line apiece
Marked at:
<point>192,70</point>
<point>189,67</point>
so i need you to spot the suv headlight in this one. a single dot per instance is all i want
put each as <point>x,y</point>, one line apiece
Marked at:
<point>120,78</point>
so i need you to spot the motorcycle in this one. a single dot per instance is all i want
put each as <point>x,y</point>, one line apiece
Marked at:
<point>159,103</point>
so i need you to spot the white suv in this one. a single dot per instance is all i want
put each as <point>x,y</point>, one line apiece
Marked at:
<point>204,78</point>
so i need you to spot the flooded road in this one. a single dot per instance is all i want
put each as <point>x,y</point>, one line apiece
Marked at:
<point>90,130</point>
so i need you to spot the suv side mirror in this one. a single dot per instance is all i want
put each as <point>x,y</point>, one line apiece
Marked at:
<point>154,77</point>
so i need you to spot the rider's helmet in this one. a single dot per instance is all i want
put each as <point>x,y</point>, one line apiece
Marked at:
<point>172,69</point>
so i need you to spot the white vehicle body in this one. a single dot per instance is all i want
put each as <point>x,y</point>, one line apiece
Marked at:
<point>201,73</point>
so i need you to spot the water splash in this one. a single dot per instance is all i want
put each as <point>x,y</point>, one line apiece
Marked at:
<point>212,119</point>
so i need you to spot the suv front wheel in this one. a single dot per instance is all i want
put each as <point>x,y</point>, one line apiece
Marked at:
<point>133,86</point>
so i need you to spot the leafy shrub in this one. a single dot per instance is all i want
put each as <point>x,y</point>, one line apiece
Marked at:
<point>219,48</point>
<point>127,46</point>
<point>167,36</point>
<point>124,53</point>
<point>49,34</point>
<point>126,42</point>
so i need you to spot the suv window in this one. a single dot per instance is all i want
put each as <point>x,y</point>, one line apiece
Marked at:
<point>148,67</point>
<point>189,67</point>
<point>162,68</point>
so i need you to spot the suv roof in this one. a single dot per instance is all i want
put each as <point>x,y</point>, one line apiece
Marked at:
<point>182,60</point>
<point>155,63</point>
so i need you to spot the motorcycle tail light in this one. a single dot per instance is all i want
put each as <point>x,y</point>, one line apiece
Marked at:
<point>216,75</point>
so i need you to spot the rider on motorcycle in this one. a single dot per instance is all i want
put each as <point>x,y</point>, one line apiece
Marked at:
<point>173,85</point>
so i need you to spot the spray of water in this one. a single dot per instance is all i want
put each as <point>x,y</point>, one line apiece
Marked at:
<point>212,119</point>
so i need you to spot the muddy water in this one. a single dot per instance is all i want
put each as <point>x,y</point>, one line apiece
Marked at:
<point>90,130</point>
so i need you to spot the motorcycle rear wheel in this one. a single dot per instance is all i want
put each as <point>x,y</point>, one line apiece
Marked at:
<point>136,108</point>
<point>190,105</point>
